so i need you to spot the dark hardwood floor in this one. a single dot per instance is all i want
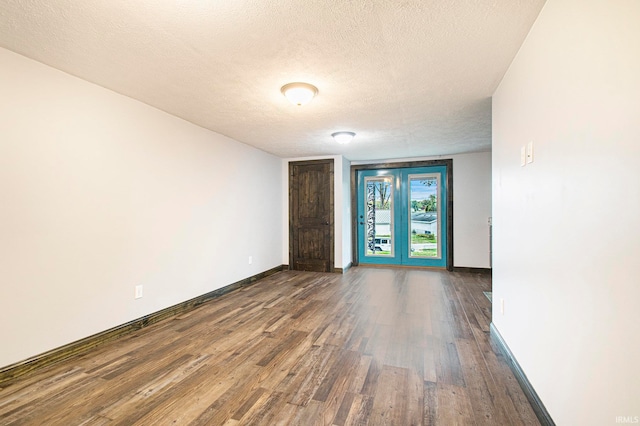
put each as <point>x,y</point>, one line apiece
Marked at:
<point>372,346</point>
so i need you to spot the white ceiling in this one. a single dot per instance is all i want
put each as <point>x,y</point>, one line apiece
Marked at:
<point>410,77</point>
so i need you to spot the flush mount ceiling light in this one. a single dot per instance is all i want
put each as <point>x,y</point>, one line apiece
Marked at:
<point>343,137</point>
<point>299,93</point>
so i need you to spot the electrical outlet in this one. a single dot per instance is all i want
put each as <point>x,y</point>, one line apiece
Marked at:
<point>502,306</point>
<point>138,292</point>
<point>530,152</point>
<point>250,260</point>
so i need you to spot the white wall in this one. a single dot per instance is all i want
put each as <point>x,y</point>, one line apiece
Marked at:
<point>471,209</point>
<point>346,213</point>
<point>571,288</point>
<point>342,208</point>
<point>100,193</point>
<point>471,206</point>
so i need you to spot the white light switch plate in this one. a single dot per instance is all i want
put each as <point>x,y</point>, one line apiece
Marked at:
<point>530,152</point>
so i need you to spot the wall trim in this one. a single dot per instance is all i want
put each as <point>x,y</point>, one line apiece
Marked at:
<point>333,271</point>
<point>486,271</point>
<point>537,405</point>
<point>12,372</point>
<point>344,269</point>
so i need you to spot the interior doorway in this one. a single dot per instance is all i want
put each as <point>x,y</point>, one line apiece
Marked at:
<point>311,212</point>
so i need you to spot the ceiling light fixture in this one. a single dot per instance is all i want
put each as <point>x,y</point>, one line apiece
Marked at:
<point>299,93</point>
<point>343,137</point>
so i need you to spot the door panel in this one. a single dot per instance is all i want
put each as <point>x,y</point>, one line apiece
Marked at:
<point>311,216</point>
<point>311,250</point>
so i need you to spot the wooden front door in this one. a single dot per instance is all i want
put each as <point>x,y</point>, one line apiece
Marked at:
<point>311,216</point>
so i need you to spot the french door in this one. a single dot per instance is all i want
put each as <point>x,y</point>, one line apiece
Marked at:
<point>402,216</point>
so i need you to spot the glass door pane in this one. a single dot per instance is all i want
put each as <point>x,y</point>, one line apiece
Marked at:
<point>424,224</point>
<point>378,216</point>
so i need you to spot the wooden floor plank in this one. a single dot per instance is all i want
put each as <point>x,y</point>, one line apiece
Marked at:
<point>453,406</point>
<point>372,346</point>
<point>390,401</point>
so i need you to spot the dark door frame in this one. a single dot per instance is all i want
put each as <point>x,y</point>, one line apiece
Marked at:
<point>448,163</point>
<point>330,162</point>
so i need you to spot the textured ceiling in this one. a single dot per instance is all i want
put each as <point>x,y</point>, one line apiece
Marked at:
<point>410,77</point>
